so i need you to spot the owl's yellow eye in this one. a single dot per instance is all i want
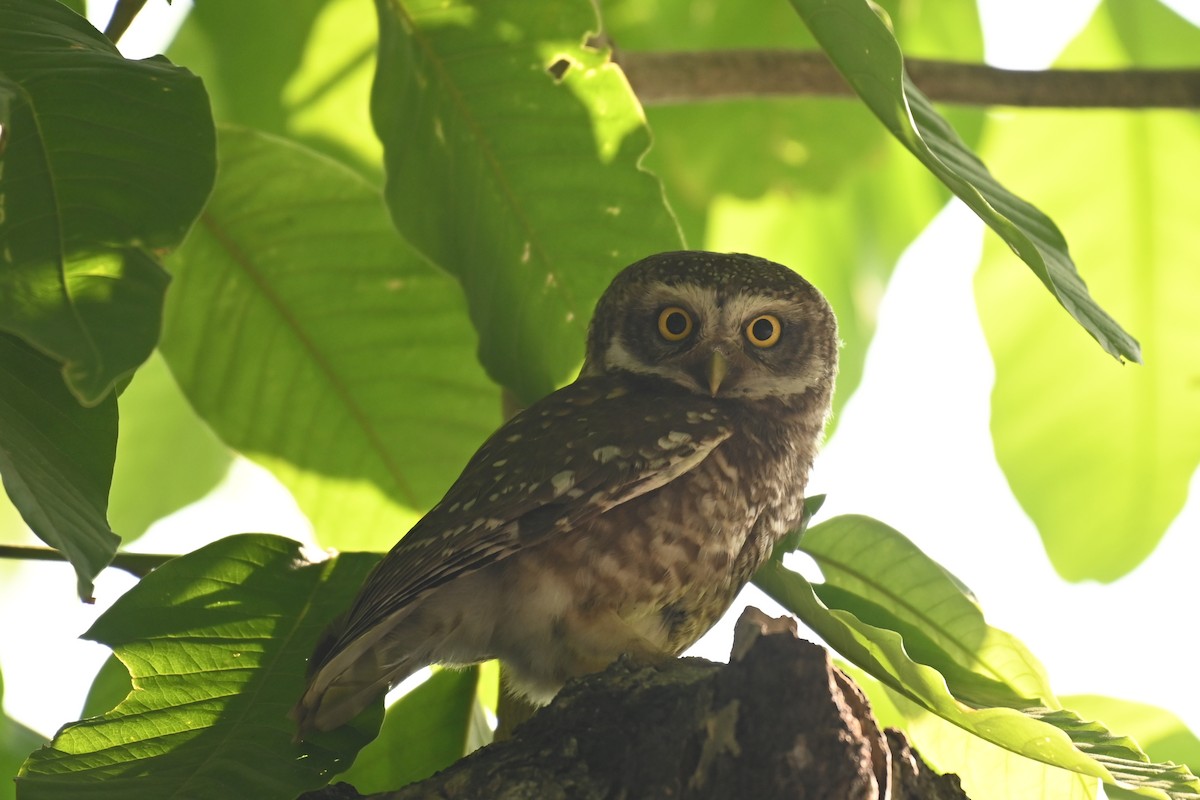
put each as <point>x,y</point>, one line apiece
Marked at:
<point>763,331</point>
<point>674,324</point>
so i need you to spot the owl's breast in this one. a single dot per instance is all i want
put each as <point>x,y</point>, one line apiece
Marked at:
<point>671,561</point>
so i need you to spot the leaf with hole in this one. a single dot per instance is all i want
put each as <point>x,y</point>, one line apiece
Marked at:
<point>512,154</point>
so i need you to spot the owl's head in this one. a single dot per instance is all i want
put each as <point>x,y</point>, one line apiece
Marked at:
<point>721,324</point>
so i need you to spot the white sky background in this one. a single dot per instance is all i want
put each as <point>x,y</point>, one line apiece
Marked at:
<point>927,470</point>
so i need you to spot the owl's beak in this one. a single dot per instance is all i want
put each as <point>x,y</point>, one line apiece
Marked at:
<point>718,366</point>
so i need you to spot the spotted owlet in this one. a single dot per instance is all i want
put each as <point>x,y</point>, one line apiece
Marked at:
<point>620,514</point>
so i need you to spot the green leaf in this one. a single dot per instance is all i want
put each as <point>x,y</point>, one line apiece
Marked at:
<point>328,97</point>
<point>881,653</point>
<point>56,459</point>
<point>987,771</point>
<point>309,81</point>
<point>312,338</point>
<point>1100,458</point>
<point>751,148</point>
<point>1163,735</point>
<point>991,705</point>
<point>748,148</point>
<point>16,741</point>
<point>150,481</point>
<point>425,731</point>
<point>1150,34</point>
<point>865,52</point>
<point>524,186</point>
<point>871,561</point>
<point>110,686</point>
<point>103,161</point>
<point>215,643</point>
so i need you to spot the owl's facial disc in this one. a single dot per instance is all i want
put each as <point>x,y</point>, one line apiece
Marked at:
<point>721,344</point>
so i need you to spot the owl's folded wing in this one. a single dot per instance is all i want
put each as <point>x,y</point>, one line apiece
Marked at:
<point>563,461</point>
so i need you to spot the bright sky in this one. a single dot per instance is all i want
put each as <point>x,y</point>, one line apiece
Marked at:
<point>1085,634</point>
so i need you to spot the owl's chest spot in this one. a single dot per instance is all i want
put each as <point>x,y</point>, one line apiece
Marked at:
<point>670,562</point>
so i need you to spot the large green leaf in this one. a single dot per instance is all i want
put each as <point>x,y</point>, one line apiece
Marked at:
<point>1101,457</point>
<point>869,560</point>
<point>750,148</point>
<point>304,330</point>
<point>745,148</point>
<point>523,184</point>
<point>150,480</point>
<point>425,731</point>
<point>865,52</point>
<point>111,685</point>
<point>911,640</point>
<point>56,459</point>
<point>987,771</point>
<point>1164,736</point>
<point>215,642</point>
<point>310,80</point>
<point>328,97</point>
<point>103,161</point>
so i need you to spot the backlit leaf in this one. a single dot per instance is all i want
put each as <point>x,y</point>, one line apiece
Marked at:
<point>522,183</point>
<point>1100,457</point>
<point>865,52</point>
<point>215,643</point>
<point>310,337</point>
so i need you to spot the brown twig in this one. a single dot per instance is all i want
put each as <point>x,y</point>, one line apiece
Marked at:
<point>122,17</point>
<point>683,77</point>
<point>137,564</point>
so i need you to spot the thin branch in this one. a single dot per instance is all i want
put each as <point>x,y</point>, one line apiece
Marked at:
<point>122,17</point>
<point>137,564</point>
<point>666,78</point>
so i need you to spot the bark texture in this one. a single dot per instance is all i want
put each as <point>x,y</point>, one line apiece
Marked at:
<point>779,721</point>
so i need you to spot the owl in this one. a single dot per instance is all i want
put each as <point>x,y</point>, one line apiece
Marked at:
<point>620,514</point>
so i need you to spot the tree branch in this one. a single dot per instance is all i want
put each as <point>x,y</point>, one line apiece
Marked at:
<point>122,17</point>
<point>137,564</point>
<point>682,77</point>
<point>780,720</point>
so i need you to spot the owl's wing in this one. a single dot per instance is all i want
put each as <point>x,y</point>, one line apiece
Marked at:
<point>563,461</point>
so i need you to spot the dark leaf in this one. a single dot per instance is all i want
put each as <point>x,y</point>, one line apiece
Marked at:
<point>104,162</point>
<point>56,459</point>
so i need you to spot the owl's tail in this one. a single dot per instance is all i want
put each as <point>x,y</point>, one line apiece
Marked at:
<point>348,680</point>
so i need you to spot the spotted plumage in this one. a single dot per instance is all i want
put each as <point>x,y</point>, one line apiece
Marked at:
<point>620,514</point>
